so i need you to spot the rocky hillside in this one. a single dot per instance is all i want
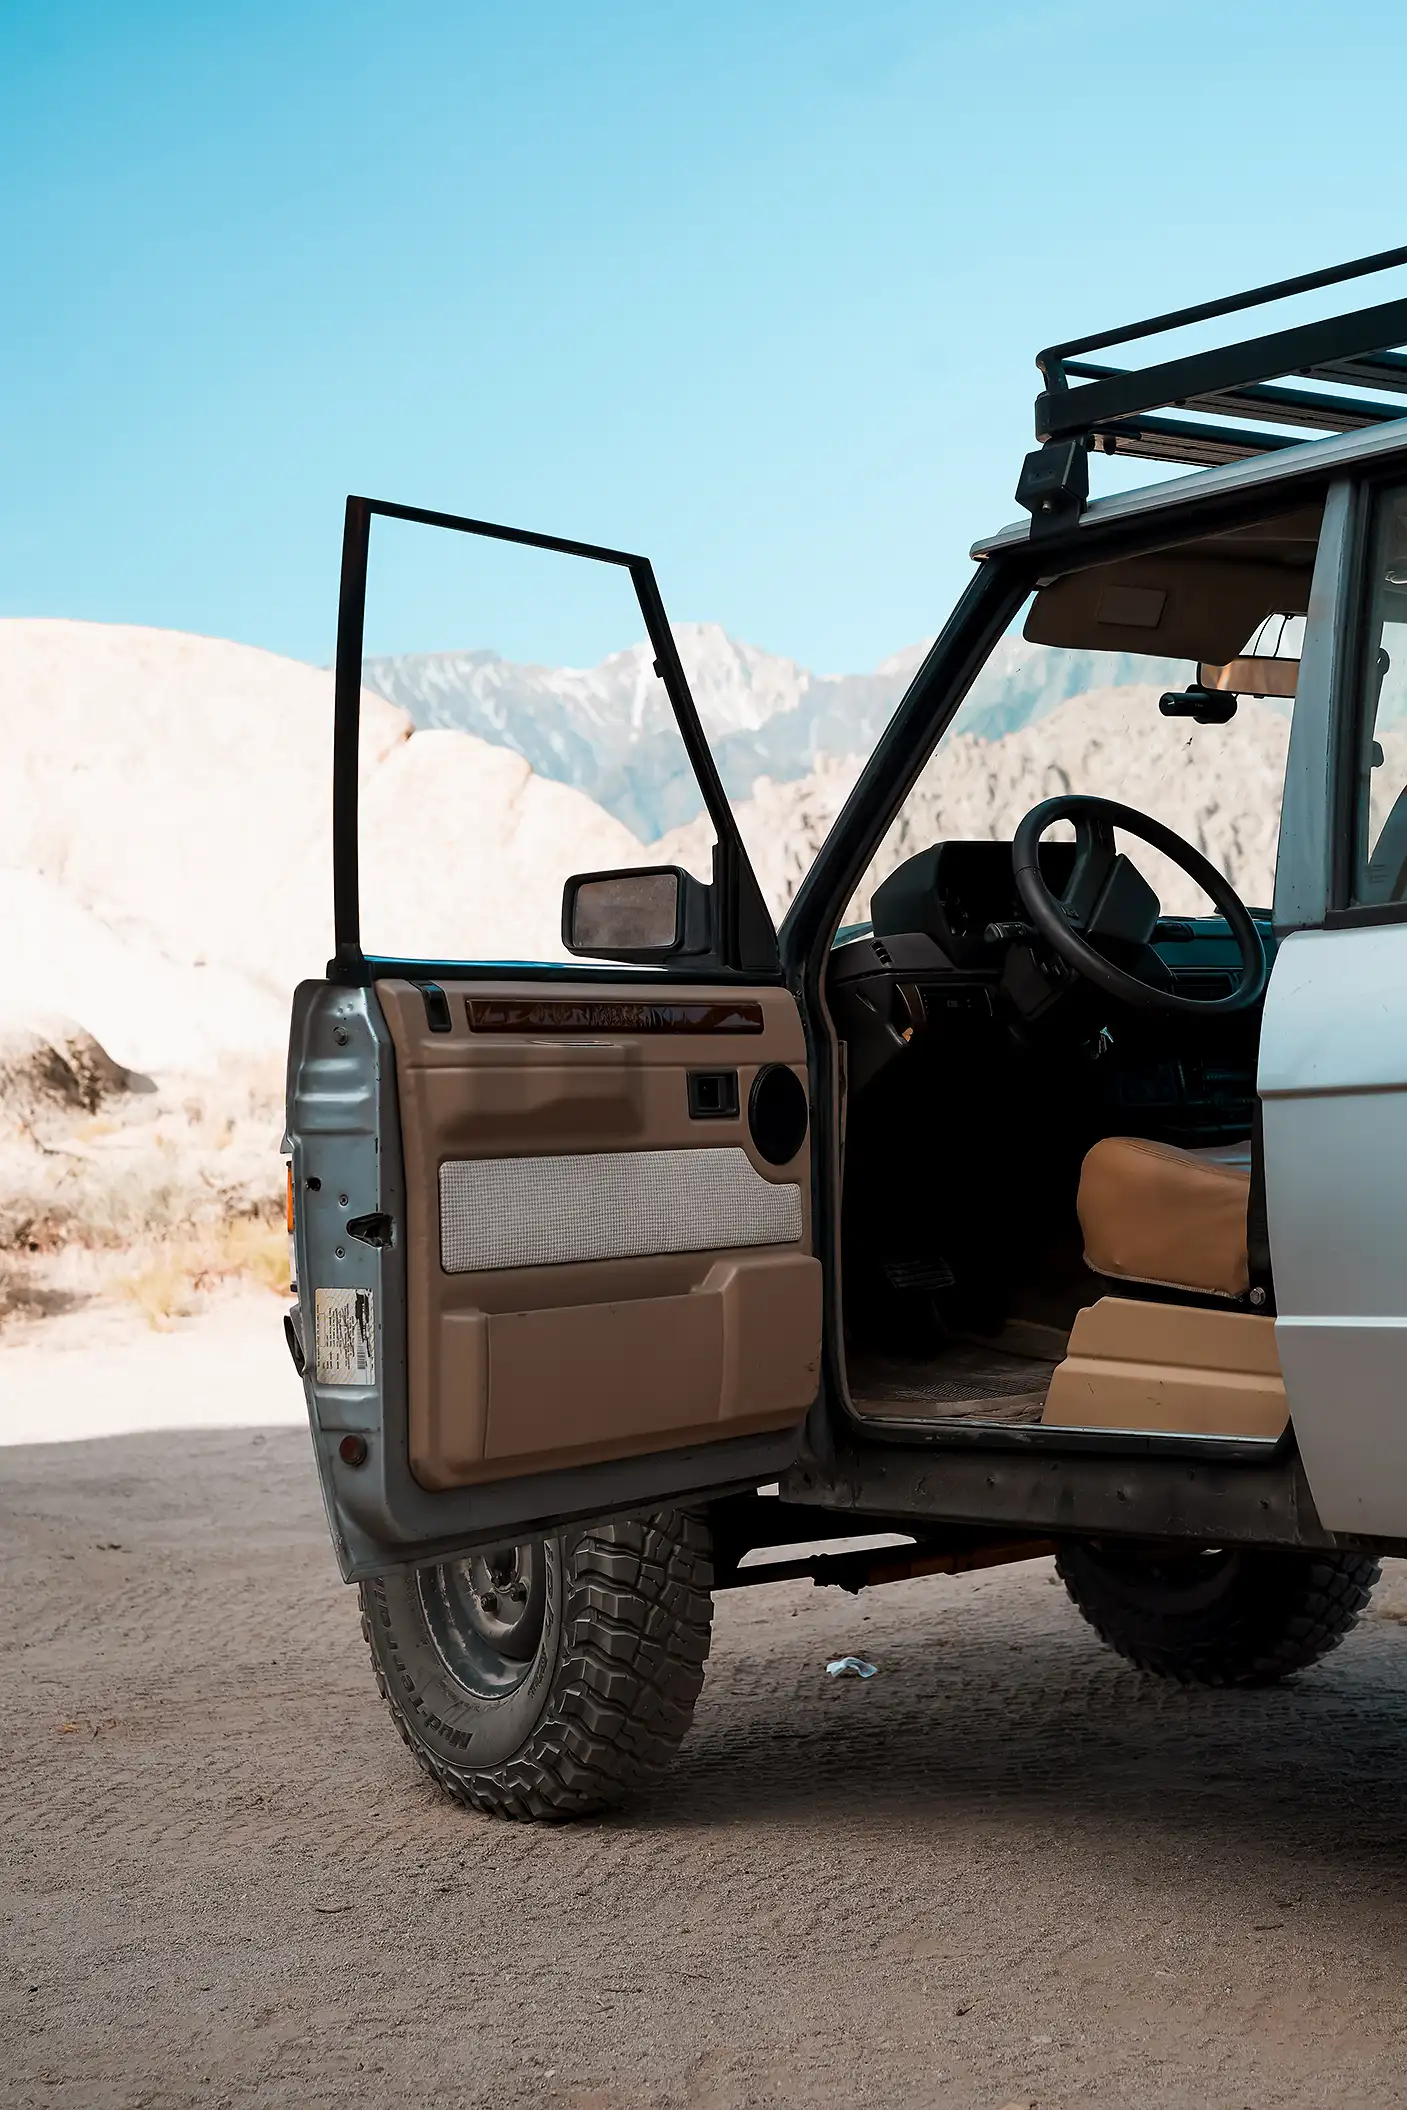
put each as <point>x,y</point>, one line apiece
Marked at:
<point>1218,786</point>
<point>608,730</point>
<point>165,857</point>
<point>165,838</point>
<point>165,879</point>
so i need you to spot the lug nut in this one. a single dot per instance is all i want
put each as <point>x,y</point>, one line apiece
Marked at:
<point>518,1591</point>
<point>489,1600</point>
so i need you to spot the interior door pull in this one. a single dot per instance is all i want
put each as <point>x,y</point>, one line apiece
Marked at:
<point>713,1095</point>
<point>437,1014</point>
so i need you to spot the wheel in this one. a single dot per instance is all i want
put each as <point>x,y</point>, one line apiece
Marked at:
<point>1224,1615</point>
<point>551,1678</point>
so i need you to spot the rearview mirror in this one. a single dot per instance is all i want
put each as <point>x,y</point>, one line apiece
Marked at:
<point>1251,676</point>
<point>644,913</point>
<point>1212,697</point>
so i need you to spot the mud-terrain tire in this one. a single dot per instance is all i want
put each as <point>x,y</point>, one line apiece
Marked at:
<point>553,1678</point>
<point>1224,1616</point>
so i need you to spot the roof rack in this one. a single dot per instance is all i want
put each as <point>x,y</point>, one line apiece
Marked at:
<point>1113,410</point>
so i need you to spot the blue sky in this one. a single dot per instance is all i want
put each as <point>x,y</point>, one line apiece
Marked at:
<point>753,287</point>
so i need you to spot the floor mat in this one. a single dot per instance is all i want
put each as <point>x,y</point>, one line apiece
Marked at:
<point>964,1382</point>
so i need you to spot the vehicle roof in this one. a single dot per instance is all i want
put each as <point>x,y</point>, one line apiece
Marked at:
<point>1318,458</point>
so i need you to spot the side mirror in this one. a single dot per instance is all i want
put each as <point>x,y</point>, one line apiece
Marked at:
<point>643,914</point>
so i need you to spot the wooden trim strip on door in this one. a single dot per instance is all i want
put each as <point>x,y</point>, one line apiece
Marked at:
<point>548,1014</point>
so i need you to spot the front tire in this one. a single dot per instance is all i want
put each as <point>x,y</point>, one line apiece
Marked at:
<point>553,1678</point>
<point>1230,1615</point>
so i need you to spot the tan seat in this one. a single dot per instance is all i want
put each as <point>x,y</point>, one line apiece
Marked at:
<point>1177,1218</point>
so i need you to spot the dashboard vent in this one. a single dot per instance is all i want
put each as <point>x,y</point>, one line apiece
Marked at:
<point>1205,983</point>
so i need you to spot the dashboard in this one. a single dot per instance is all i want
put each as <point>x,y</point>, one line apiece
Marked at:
<point>951,892</point>
<point>925,977</point>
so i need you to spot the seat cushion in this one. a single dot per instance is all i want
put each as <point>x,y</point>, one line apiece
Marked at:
<point>1153,1213</point>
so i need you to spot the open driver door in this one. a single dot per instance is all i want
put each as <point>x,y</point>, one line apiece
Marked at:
<point>552,1217</point>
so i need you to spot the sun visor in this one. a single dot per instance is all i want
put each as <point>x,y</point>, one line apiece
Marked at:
<point>1177,606</point>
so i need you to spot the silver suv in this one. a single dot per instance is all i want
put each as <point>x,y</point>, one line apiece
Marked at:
<point>1016,1215</point>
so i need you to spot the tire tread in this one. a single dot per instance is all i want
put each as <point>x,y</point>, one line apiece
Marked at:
<point>636,1626</point>
<point>1267,1633</point>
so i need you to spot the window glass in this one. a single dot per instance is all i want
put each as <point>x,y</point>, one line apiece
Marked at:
<point>514,733</point>
<point>1044,719</point>
<point>1380,836</point>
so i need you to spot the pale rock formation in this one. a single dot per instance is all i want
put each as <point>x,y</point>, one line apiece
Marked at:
<point>165,818</point>
<point>1217,786</point>
<point>165,838</point>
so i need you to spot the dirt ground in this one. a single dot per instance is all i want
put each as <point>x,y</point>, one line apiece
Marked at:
<point>1006,1870</point>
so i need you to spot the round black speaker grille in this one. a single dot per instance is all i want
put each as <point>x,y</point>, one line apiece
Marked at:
<point>776,1113</point>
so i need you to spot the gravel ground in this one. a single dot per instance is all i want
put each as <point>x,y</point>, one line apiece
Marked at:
<point>1007,1870</point>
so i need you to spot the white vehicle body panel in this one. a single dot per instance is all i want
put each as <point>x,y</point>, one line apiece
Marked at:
<point>1333,1082</point>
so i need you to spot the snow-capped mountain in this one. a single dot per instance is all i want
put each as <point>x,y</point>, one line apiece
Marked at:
<point>608,730</point>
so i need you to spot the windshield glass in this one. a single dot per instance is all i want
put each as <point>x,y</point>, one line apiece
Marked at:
<point>1042,720</point>
<point>1163,682</point>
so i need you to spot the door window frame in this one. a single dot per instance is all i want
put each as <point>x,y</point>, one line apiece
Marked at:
<point>997,589</point>
<point>745,937</point>
<point>1345,705</point>
<point>999,585</point>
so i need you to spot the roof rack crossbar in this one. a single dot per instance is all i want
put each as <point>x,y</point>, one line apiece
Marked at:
<point>1275,406</point>
<point>1052,359</point>
<point>1371,370</point>
<point>1062,413</point>
<point>1196,446</point>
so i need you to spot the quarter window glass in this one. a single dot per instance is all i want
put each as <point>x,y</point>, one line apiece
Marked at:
<point>1380,833</point>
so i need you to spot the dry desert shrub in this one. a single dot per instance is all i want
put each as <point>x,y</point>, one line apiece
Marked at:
<point>173,1277</point>
<point>160,1190</point>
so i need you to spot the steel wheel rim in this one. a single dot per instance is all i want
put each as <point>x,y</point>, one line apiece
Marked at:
<point>485,1614</point>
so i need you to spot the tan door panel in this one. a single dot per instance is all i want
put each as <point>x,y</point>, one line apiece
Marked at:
<point>554,1131</point>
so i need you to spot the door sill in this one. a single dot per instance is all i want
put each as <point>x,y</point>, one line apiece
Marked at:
<point>933,1434</point>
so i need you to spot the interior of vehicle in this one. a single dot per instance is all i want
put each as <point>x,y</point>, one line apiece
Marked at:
<point>1050,1214</point>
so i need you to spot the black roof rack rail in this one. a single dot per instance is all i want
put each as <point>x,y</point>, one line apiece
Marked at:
<point>1113,410</point>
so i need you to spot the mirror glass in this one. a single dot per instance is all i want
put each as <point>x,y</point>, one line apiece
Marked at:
<point>626,912</point>
<point>1252,676</point>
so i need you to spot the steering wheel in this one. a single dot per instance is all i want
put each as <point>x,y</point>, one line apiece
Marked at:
<point>1062,920</point>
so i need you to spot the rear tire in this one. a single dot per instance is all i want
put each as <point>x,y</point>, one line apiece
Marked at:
<point>553,1678</point>
<point>1220,1615</point>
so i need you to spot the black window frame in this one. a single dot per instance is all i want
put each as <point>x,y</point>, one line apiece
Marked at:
<point>745,937</point>
<point>1000,581</point>
<point>1347,784</point>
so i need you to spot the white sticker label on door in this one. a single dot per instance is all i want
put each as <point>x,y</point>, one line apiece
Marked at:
<point>346,1336</point>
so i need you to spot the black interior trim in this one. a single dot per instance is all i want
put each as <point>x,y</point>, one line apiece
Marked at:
<point>574,973</point>
<point>1105,1443</point>
<point>1362,916</point>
